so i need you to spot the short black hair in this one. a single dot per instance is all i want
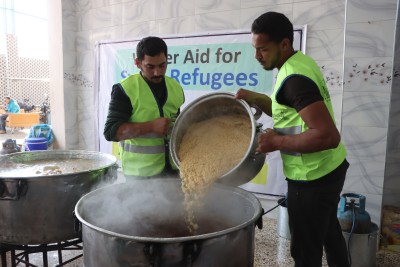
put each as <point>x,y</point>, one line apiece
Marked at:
<point>151,46</point>
<point>276,25</point>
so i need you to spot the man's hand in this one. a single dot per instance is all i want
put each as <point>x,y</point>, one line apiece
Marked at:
<point>262,101</point>
<point>269,141</point>
<point>160,126</point>
<point>246,95</point>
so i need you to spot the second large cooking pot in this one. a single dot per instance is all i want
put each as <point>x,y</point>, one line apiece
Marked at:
<point>38,208</point>
<point>141,223</point>
<point>213,105</point>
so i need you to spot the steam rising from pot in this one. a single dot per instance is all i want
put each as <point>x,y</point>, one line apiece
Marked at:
<point>149,208</point>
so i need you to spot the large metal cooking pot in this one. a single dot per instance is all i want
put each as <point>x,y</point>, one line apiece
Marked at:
<point>142,224</point>
<point>213,105</point>
<point>39,209</point>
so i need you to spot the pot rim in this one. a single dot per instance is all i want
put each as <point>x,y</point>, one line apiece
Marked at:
<point>112,158</point>
<point>248,195</point>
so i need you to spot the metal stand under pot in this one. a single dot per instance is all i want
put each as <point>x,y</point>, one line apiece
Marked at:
<point>20,254</point>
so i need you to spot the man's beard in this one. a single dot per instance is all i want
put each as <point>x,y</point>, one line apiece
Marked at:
<point>271,67</point>
<point>157,79</point>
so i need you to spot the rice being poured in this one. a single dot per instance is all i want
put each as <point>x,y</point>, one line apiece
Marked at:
<point>208,150</point>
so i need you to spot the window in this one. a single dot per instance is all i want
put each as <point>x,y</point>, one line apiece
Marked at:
<point>27,20</point>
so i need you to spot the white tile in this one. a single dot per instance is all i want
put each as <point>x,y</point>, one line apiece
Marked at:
<point>320,15</point>
<point>69,40</point>
<point>261,3</point>
<point>69,20</point>
<point>107,16</point>
<point>69,61</point>
<point>136,11</point>
<point>370,10</point>
<point>248,15</point>
<point>365,175</point>
<point>82,5</point>
<point>372,74</point>
<point>83,41</point>
<point>206,6</point>
<point>70,86</point>
<point>174,8</point>
<point>86,101</point>
<point>87,119</point>
<point>102,3</point>
<point>179,25</point>
<point>336,100</point>
<point>67,5</point>
<point>365,109</point>
<point>325,44</point>
<point>85,20</point>
<point>365,142</point>
<point>85,60</point>
<point>86,79</point>
<point>71,129</point>
<point>108,33</point>
<point>218,21</point>
<point>333,74</point>
<point>374,39</point>
<point>139,29</point>
<point>70,99</point>
<point>299,1</point>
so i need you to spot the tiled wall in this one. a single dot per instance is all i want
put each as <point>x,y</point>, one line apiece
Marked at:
<point>351,40</point>
<point>367,84</point>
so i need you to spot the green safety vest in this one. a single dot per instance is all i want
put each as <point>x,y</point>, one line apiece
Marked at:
<point>144,156</point>
<point>303,166</point>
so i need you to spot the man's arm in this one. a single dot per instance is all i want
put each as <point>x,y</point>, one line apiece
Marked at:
<point>321,135</point>
<point>130,130</point>
<point>253,98</point>
<point>302,94</point>
<point>117,127</point>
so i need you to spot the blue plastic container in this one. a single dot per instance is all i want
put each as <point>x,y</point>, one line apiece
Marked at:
<point>36,143</point>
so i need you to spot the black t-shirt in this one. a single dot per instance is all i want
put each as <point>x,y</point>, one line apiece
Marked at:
<point>298,92</point>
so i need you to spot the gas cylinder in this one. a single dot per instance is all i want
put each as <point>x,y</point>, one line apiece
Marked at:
<point>352,215</point>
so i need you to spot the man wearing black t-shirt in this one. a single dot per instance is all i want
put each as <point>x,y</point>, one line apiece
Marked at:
<point>314,159</point>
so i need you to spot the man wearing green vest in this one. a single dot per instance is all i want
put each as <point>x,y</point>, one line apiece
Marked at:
<point>140,113</point>
<point>314,159</point>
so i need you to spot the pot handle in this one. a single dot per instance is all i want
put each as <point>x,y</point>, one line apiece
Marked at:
<point>258,112</point>
<point>259,222</point>
<point>259,130</point>
<point>77,223</point>
<point>190,252</point>
<point>152,251</point>
<point>12,189</point>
